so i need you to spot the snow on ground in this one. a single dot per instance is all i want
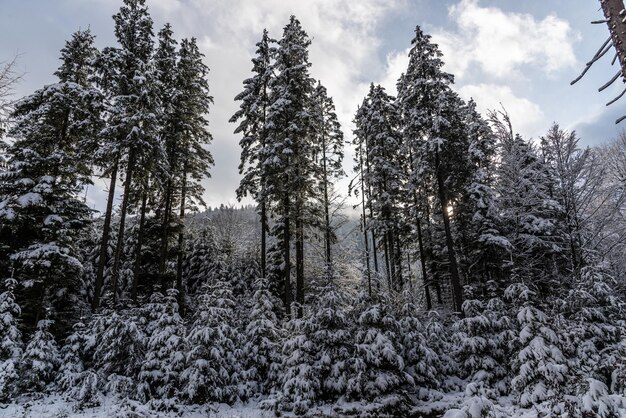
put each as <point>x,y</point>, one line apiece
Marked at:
<point>450,405</point>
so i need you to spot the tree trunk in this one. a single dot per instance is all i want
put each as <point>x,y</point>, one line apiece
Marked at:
<point>142,218</point>
<point>165,233</point>
<point>181,242</point>
<point>263,238</point>
<point>299,259</point>
<point>106,231</point>
<point>326,202</point>
<point>365,238</point>
<point>617,27</point>
<point>420,241</point>
<point>457,292</point>
<point>287,256</point>
<point>120,235</point>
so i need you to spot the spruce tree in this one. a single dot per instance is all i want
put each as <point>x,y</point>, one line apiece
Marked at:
<point>288,151</point>
<point>128,78</point>
<point>252,113</point>
<point>48,167</point>
<point>328,151</point>
<point>165,351</point>
<point>192,135</point>
<point>40,359</point>
<point>11,346</point>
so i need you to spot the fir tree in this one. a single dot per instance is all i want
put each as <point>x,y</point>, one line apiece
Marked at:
<point>253,111</point>
<point>262,337</point>
<point>212,367</point>
<point>48,166</point>
<point>11,346</point>
<point>40,359</point>
<point>288,150</point>
<point>165,351</point>
<point>128,78</point>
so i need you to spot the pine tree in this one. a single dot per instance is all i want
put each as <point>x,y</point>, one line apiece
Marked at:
<point>253,111</point>
<point>165,62</point>
<point>539,365</point>
<point>128,78</point>
<point>434,140</point>
<point>40,359</point>
<point>530,216</point>
<point>378,123</point>
<point>328,151</point>
<point>194,160</point>
<point>165,351</point>
<point>48,167</point>
<point>11,346</point>
<point>212,368</point>
<point>377,372</point>
<point>419,357</point>
<point>75,376</point>
<point>262,337</point>
<point>288,150</point>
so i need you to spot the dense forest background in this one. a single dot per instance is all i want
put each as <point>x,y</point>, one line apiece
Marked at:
<point>480,270</point>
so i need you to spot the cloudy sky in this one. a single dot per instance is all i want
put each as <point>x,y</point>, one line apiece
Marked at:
<point>522,54</point>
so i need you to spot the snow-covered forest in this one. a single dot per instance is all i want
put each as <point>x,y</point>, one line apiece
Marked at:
<point>481,274</point>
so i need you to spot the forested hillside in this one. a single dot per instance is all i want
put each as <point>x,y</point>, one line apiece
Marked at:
<point>471,272</point>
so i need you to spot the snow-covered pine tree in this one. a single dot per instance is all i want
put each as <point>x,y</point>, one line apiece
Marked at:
<point>378,122</point>
<point>253,126</point>
<point>75,376</point>
<point>192,135</point>
<point>40,359</point>
<point>318,354</point>
<point>480,338</point>
<point>165,352</point>
<point>540,369</point>
<point>128,79</point>
<point>328,153</point>
<point>288,151</point>
<point>213,367</point>
<point>483,246</point>
<point>48,166</point>
<point>165,62</point>
<point>11,345</point>
<point>420,360</point>
<point>261,349</point>
<point>436,146</point>
<point>377,369</point>
<point>530,216</point>
<point>118,350</point>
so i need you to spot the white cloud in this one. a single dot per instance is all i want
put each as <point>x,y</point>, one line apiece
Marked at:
<point>527,117</point>
<point>502,43</point>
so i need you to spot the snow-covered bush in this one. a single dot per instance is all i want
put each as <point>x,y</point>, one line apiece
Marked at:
<point>539,366</point>
<point>40,359</point>
<point>213,369</point>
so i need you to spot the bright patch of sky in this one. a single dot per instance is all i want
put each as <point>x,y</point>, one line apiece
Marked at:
<point>519,55</point>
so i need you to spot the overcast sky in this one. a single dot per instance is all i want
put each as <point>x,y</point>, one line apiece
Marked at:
<point>522,54</point>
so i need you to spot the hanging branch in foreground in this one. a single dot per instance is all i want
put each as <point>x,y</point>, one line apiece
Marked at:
<point>614,14</point>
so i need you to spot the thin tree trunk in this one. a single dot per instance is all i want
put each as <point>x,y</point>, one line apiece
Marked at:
<point>104,243</point>
<point>263,238</point>
<point>365,238</point>
<point>165,233</point>
<point>142,218</point>
<point>181,242</point>
<point>299,259</point>
<point>326,202</point>
<point>287,256</point>
<point>420,241</point>
<point>387,266</point>
<point>457,292</point>
<point>120,235</point>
